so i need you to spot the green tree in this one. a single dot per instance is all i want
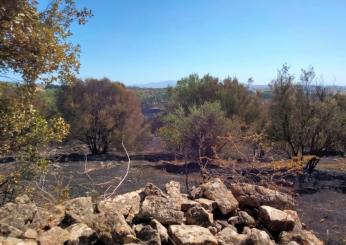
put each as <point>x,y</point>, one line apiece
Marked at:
<point>304,116</point>
<point>236,100</point>
<point>195,135</point>
<point>35,43</point>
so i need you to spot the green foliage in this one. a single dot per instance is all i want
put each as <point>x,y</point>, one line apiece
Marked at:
<point>306,117</point>
<point>150,97</point>
<point>25,134</point>
<point>195,135</point>
<point>102,114</point>
<point>235,99</point>
<point>34,43</point>
<point>23,130</point>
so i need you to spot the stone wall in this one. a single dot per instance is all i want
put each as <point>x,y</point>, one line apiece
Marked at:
<point>210,214</point>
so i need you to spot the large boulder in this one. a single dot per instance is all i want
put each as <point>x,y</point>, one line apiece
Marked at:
<point>217,191</point>
<point>302,237</point>
<point>54,236</point>
<point>276,220</point>
<point>163,209</point>
<point>199,216</point>
<point>80,210</point>
<point>127,204</point>
<point>191,235</point>
<point>255,196</point>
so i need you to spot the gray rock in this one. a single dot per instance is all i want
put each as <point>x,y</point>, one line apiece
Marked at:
<point>191,235</point>
<point>163,209</point>
<point>199,216</point>
<point>255,196</point>
<point>80,210</point>
<point>276,220</point>
<point>112,227</point>
<point>217,191</point>
<point>16,217</point>
<point>127,204</point>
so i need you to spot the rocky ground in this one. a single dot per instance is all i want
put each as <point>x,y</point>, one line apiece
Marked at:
<point>210,214</point>
<point>320,197</point>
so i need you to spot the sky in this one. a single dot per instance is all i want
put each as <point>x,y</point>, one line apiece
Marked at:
<point>145,41</point>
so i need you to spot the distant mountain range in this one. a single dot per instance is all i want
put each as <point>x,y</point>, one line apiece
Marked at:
<point>163,84</point>
<point>253,87</point>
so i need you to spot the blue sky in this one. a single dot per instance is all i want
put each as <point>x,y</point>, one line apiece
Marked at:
<point>141,41</point>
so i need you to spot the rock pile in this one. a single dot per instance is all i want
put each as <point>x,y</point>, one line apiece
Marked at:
<point>212,214</point>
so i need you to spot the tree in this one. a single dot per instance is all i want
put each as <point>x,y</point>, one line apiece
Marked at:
<point>235,99</point>
<point>102,114</point>
<point>304,116</point>
<point>195,135</point>
<point>34,44</point>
